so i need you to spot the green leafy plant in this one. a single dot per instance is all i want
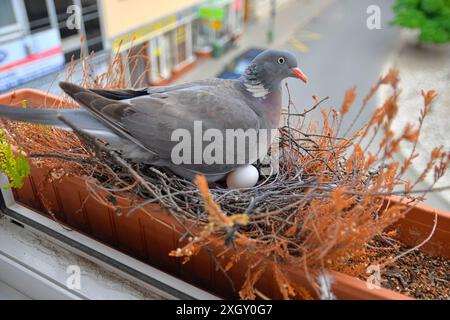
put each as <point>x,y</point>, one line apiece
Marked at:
<point>432,17</point>
<point>16,168</point>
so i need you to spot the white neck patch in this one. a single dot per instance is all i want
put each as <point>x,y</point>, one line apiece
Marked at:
<point>257,90</point>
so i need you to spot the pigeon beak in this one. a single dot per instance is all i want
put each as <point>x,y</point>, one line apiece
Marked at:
<point>299,74</point>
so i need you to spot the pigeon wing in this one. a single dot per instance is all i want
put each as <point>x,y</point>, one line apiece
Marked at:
<point>120,94</point>
<point>125,94</point>
<point>101,107</point>
<point>151,120</point>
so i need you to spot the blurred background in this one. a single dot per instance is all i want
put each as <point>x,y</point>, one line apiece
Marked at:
<point>339,44</point>
<point>174,39</point>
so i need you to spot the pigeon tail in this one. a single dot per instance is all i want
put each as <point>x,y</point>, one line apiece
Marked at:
<point>30,115</point>
<point>105,109</point>
<point>73,90</point>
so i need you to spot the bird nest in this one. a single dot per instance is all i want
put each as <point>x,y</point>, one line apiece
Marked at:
<point>318,211</point>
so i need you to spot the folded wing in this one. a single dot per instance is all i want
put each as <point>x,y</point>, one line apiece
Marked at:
<point>150,120</point>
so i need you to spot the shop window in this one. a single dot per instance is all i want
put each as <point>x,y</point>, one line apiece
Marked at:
<point>138,65</point>
<point>160,58</point>
<point>154,52</point>
<point>168,54</point>
<point>203,34</point>
<point>181,54</point>
<point>38,16</point>
<point>223,30</point>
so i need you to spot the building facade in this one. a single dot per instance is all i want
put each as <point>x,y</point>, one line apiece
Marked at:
<point>165,38</point>
<point>157,37</point>
<point>219,23</point>
<point>38,37</point>
<point>259,9</point>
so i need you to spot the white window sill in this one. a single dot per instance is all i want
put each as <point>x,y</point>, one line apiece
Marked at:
<point>36,268</point>
<point>35,255</point>
<point>8,293</point>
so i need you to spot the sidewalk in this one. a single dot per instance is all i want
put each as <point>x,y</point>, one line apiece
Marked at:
<point>289,19</point>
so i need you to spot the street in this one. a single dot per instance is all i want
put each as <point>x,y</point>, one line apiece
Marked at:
<point>347,54</point>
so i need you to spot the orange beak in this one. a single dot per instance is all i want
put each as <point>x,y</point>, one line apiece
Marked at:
<point>299,74</point>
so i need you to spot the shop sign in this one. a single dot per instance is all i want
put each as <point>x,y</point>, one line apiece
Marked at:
<point>212,13</point>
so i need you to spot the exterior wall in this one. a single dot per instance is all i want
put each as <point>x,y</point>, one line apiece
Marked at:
<point>162,36</point>
<point>160,47</point>
<point>165,35</point>
<point>220,23</point>
<point>260,9</point>
<point>26,52</point>
<point>122,16</point>
<point>24,18</point>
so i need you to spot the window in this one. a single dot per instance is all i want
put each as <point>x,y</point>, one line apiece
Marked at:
<point>7,16</point>
<point>96,47</point>
<point>37,13</point>
<point>222,32</point>
<point>181,55</point>
<point>8,19</point>
<point>202,34</point>
<point>138,65</point>
<point>71,37</point>
<point>75,54</point>
<point>92,25</point>
<point>45,14</point>
<point>93,31</point>
<point>160,58</point>
<point>89,6</point>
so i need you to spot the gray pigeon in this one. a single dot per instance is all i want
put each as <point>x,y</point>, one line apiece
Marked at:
<point>140,123</point>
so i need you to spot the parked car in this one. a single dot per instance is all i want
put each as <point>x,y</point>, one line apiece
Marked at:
<point>239,64</point>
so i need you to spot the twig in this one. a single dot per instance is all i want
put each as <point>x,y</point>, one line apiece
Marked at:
<point>62,157</point>
<point>417,247</point>
<point>305,113</point>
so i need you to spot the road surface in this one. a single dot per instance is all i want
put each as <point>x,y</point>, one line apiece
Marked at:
<point>337,51</point>
<point>346,54</point>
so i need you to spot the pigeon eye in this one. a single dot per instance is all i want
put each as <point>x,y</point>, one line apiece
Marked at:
<point>281,60</point>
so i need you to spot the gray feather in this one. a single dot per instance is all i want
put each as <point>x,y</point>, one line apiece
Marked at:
<point>140,123</point>
<point>50,117</point>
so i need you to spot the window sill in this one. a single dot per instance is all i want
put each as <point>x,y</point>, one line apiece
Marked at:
<point>37,254</point>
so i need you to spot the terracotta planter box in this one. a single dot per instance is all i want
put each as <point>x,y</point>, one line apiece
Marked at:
<point>148,240</point>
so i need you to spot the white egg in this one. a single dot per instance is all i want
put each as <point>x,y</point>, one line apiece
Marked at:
<point>243,177</point>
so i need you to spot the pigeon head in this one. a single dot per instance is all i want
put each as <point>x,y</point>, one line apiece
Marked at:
<point>268,69</point>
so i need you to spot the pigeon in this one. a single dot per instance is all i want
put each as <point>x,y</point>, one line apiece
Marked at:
<point>140,123</point>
